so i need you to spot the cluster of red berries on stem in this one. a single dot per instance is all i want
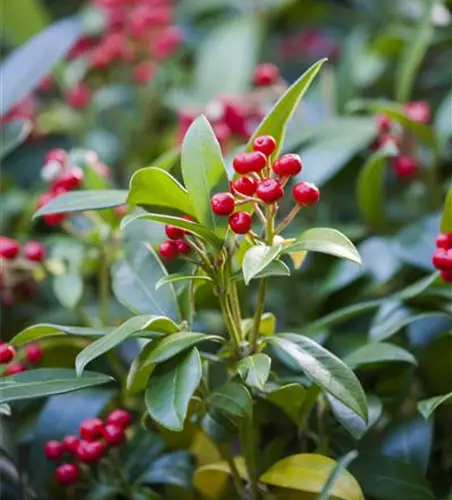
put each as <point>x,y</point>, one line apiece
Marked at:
<point>89,447</point>
<point>177,244</point>
<point>262,182</point>
<point>234,119</point>
<point>442,258</point>
<point>405,165</point>
<point>32,355</point>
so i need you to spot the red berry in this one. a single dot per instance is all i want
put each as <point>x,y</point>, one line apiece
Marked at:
<point>235,117</point>
<point>166,43</point>
<point>33,353</point>
<point>405,166</point>
<point>444,240</point>
<point>43,199</point>
<point>245,185</point>
<point>119,417</point>
<point>70,444</point>
<point>56,155</point>
<point>121,210</point>
<point>222,203</point>
<point>265,74</point>
<point>113,434</point>
<point>270,190</point>
<point>418,111</point>
<point>9,248</point>
<point>54,219</point>
<point>289,164</point>
<point>53,450</point>
<point>34,251</point>
<point>91,429</point>
<point>222,133</point>
<point>78,97</point>
<point>173,232</point>
<point>144,72</point>
<point>265,144</point>
<point>168,250</point>
<point>384,139</point>
<point>67,474</point>
<point>245,163</point>
<point>183,247</point>
<point>306,193</point>
<point>442,259</point>
<point>90,451</point>
<point>383,122</point>
<point>69,179</point>
<point>14,368</point>
<point>446,275</point>
<point>7,353</point>
<point>240,222</point>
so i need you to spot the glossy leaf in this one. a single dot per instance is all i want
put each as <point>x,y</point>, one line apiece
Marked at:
<point>289,398</point>
<point>428,406</point>
<point>310,473</point>
<point>255,370</point>
<point>301,354</point>
<point>267,324</point>
<point>153,187</point>
<point>378,353</point>
<point>257,258</point>
<point>233,399</point>
<point>44,382</point>
<point>181,277</point>
<point>446,219</point>
<point>275,122</point>
<point>174,468</point>
<point>77,201</point>
<point>14,133</point>
<point>418,287</point>
<point>189,226</point>
<point>159,324</point>
<point>326,240</point>
<point>26,67</point>
<point>370,187</point>
<point>274,268</point>
<point>203,170</point>
<point>342,464</point>
<point>68,288</point>
<point>171,387</point>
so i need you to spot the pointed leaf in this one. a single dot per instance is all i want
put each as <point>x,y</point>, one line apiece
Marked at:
<point>427,406</point>
<point>289,398</point>
<point>310,473</point>
<point>203,170</point>
<point>233,399</point>
<point>255,370</point>
<point>274,268</point>
<point>76,201</point>
<point>180,277</point>
<point>378,353</point>
<point>257,258</point>
<point>43,330</point>
<point>301,354</point>
<point>326,240</point>
<point>171,387</point>
<point>154,187</point>
<point>159,324</point>
<point>275,122</point>
<point>14,133</point>
<point>45,382</point>
<point>446,219</point>
<point>267,324</point>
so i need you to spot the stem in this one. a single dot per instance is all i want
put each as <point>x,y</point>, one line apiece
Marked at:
<point>225,452</point>
<point>288,219</point>
<point>259,311</point>
<point>116,464</point>
<point>248,445</point>
<point>228,317</point>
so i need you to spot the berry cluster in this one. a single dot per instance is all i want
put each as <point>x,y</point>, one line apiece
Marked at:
<point>405,165</point>
<point>177,244</point>
<point>262,182</point>
<point>138,35</point>
<point>32,357</point>
<point>16,268</point>
<point>235,119</point>
<point>442,258</point>
<point>89,447</point>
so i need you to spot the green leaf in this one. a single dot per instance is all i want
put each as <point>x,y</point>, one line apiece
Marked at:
<point>336,473</point>
<point>45,382</point>
<point>378,353</point>
<point>189,226</point>
<point>43,330</point>
<point>257,258</point>
<point>267,325</point>
<point>274,268</point>
<point>326,240</point>
<point>18,27</point>
<point>108,342</point>
<point>275,122</point>
<point>203,170</point>
<point>418,287</point>
<point>309,472</point>
<point>289,398</point>
<point>446,218</point>
<point>415,49</point>
<point>153,187</point>
<point>385,478</point>
<point>233,399</point>
<point>226,58</point>
<point>443,125</point>
<point>301,354</point>
<point>76,201</point>
<point>255,370</point>
<point>181,277</point>
<point>68,288</point>
<point>427,406</point>
<point>172,385</point>
<point>370,187</point>
<point>14,133</point>
<point>174,468</point>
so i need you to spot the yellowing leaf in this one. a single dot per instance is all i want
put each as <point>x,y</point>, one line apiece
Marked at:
<point>298,258</point>
<point>211,480</point>
<point>309,473</point>
<point>204,449</point>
